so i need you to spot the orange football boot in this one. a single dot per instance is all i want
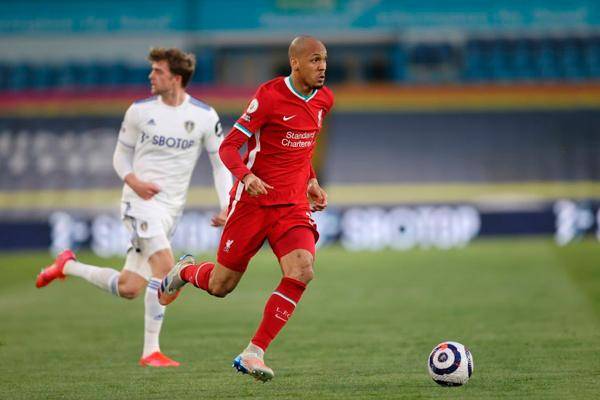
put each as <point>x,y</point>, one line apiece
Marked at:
<point>157,359</point>
<point>54,271</point>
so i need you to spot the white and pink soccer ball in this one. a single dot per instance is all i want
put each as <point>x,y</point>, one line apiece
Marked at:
<point>450,364</point>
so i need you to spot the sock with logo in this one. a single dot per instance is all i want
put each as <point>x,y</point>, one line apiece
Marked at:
<point>279,308</point>
<point>198,275</point>
<point>153,318</point>
<point>105,278</point>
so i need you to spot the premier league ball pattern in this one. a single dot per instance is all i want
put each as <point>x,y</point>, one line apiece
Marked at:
<point>450,364</point>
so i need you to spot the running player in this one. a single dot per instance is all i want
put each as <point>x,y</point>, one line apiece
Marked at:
<point>159,142</point>
<point>272,199</point>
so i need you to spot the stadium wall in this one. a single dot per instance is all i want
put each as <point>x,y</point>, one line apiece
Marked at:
<point>404,167</point>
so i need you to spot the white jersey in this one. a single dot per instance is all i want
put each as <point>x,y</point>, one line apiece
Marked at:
<point>166,143</point>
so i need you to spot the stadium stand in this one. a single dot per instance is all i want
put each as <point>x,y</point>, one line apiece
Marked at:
<point>490,59</point>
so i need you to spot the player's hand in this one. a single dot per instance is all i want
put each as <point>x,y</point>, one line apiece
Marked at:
<point>220,218</point>
<point>255,186</point>
<point>316,196</point>
<point>146,190</point>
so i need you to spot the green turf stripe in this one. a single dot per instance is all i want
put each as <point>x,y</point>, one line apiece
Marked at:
<point>363,330</point>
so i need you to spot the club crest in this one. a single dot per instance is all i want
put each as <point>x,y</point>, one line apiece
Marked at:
<point>189,126</point>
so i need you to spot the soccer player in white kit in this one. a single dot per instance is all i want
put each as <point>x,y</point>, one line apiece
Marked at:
<point>159,142</point>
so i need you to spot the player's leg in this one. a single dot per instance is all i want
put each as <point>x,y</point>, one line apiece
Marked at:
<point>66,264</point>
<point>151,258</point>
<point>130,284</point>
<point>295,248</point>
<point>296,255</point>
<point>243,235</point>
<point>155,267</point>
<point>215,279</point>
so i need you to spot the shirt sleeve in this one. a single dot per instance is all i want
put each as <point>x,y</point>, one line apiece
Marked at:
<point>256,114</point>
<point>213,137</point>
<point>222,179</point>
<point>129,132</point>
<point>123,160</point>
<point>230,153</point>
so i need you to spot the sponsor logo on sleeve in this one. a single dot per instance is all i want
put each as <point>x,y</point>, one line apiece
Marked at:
<point>253,106</point>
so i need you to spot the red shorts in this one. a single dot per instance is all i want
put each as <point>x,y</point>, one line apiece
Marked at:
<point>286,227</point>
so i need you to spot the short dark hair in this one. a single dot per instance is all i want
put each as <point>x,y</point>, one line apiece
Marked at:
<point>180,63</point>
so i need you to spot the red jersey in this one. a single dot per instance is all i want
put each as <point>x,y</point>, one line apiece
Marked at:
<point>281,126</point>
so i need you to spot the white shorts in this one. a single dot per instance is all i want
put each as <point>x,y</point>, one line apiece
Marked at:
<point>151,228</point>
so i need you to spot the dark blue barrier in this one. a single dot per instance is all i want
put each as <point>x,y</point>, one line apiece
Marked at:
<point>355,228</point>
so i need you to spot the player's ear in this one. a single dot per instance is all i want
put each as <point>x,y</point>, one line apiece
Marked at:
<point>294,63</point>
<point>178,79</point>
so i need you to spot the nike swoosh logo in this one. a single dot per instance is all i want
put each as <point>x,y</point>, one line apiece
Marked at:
<point>286,118</point>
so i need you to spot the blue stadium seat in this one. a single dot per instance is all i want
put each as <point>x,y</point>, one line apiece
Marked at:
<point>43,76</point>
<point>138,74</point>
<point>503,59</point>
<point>18,77</point>
<point>4,73</point>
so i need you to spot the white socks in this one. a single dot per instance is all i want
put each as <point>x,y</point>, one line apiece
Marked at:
<point>153,318</point>
<point>108,280</point>
<point>105,278</point>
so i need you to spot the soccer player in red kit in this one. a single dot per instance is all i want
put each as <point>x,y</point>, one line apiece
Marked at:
<point>272,199</point>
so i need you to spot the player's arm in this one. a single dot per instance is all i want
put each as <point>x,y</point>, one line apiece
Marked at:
<point>316,194</point>
<point>221,175</point>
<point>251,121</point>
<point>123,158</point>
<point>230,154</point>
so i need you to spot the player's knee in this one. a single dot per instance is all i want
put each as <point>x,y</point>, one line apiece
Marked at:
<point>219,291</point>
<point>128,287</point>
<point>305,274</point>
<point>128,292</point>
<point>302,269</point>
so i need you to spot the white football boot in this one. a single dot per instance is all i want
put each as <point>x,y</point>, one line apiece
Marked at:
<point>172,283</point>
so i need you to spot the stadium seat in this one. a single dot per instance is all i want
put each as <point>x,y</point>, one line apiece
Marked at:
<point>503,59</point>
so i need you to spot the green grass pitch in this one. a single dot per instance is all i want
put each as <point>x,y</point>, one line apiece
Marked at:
<point>528,310</point>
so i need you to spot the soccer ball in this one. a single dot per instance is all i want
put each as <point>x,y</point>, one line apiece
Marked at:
<point>450,364</point>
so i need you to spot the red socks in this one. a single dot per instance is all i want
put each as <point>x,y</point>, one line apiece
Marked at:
<point>279,307</point>
<point>278,310</point>
<point>198,275</point>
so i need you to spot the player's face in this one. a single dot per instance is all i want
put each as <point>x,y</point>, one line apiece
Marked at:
<point>161,79</point>
<point>312,65</point>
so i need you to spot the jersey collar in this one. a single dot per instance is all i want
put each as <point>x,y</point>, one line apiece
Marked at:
<point>290,85</point>
<point>186,99</point>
